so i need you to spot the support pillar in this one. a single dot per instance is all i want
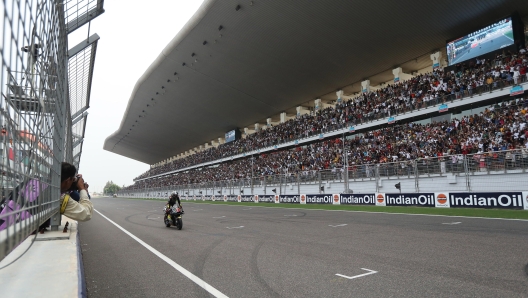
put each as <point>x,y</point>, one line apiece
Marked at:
<point>318,104</point>
<point>282,117</point>
<point>399,75</point>
<point>436,57</point>
<point>365,86</point>
<point>339,96</point>
<point>302,111</point>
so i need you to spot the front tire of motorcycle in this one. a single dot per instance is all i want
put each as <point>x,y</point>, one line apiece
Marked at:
<point>179,224</point>
<point>167,223</point>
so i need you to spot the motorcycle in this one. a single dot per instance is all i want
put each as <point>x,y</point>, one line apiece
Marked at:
<point>173,216</point>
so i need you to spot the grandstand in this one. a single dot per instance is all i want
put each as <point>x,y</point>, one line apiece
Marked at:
<point>316,144</point>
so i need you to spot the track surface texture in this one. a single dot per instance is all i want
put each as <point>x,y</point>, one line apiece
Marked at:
<point>273,252</point>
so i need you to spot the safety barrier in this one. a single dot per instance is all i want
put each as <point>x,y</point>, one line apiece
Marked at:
<point>44,96</point>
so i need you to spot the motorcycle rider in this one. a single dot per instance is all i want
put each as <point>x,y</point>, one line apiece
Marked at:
<point>173,199</point>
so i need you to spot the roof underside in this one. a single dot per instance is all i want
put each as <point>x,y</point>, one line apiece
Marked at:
<point>274,55</point>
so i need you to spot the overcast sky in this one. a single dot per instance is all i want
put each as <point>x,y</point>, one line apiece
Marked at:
<point>133,34</point>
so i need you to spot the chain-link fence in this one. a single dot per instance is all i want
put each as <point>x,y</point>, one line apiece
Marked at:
<point>35,114</point>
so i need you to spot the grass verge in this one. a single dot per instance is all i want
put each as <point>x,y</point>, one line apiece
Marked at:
<point>471,212</point>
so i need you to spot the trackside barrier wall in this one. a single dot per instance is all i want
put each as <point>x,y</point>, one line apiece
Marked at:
<point>488,200</point>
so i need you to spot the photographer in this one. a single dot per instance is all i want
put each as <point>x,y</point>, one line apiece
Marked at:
<point>81,210</point>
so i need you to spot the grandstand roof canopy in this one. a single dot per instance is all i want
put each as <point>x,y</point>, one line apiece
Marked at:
<point>236,63</point>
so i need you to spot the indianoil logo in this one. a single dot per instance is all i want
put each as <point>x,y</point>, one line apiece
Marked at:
<point>239,198</point>
<point>442,200</point>
<point>256,198</point>
<point>276,198</point>
<point>303,198</point>
<point>336,198</point>
<point>380,198</point>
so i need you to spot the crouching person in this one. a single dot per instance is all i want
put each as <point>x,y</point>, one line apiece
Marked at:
<point>82,209</point>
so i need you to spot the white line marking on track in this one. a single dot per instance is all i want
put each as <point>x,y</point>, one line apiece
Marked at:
<point>361,275</point>
<point>337,225</point>
<point>246,209</point>
<point>452,223</point>
<point>219,216</point>
<point>290,215</point>
<point>176,266</point>
<point>235,227</point>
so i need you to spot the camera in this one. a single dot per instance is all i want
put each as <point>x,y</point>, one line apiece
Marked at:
<point>74,184</point>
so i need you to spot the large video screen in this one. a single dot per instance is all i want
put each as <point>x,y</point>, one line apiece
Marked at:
<point>493,37</point>
<point>230,136</point>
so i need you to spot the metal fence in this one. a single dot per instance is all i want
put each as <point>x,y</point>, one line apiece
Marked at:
<point>491,171</point>
<point>35,115</point>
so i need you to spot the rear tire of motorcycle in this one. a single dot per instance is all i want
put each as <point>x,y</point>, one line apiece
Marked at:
<point>179,224</point>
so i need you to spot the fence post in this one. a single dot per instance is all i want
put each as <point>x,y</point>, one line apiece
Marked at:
<point>416,176</point>
<point>319,178</point>
<point>280,184</point>
<point>377,177</point>
<point>347,180</point>
<point>298,183</point>
<point>466,172</point>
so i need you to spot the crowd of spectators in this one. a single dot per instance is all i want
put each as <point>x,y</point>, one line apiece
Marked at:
<point>497,128</point>
<point>439,86</point>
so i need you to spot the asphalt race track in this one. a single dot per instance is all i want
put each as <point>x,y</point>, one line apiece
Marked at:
<point>246,251</point>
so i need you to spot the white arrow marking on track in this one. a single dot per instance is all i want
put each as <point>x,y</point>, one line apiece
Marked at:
<point>452,223</point>
<point>361,275</point>
<point>337,225</point>
<point>235,227</point>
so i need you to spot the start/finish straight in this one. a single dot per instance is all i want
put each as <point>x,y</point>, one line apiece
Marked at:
<point>176,266</point>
